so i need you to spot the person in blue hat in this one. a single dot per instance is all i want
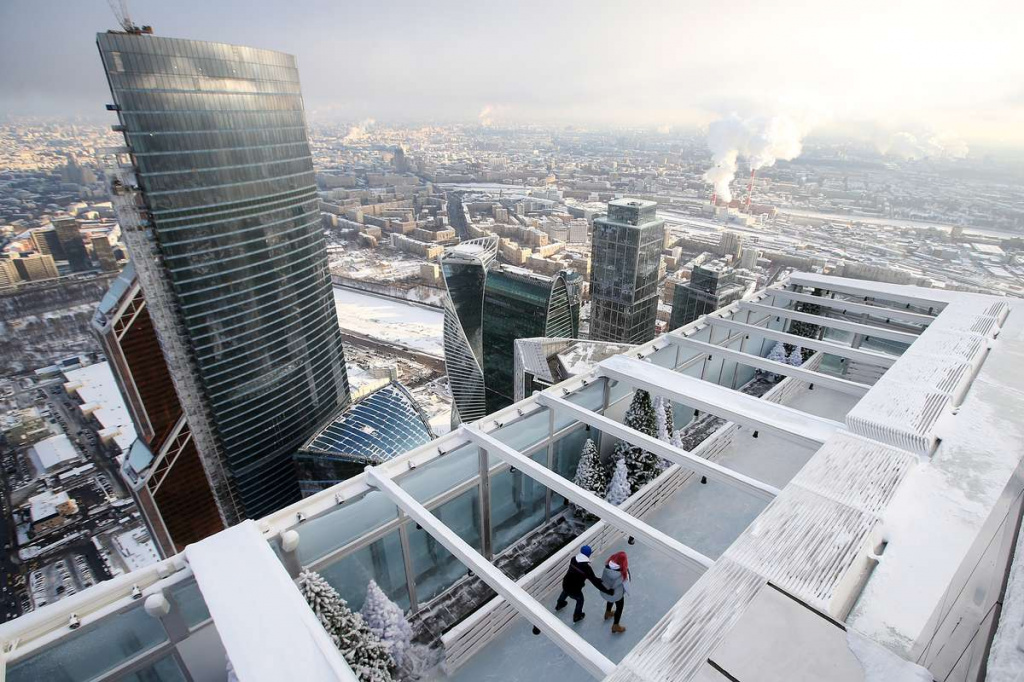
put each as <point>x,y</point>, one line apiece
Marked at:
<point>580,571</point>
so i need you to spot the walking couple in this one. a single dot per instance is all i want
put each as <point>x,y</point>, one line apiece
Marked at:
<point>613,585</point>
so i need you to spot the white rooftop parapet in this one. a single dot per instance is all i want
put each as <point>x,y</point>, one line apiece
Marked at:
<point>788,423</point>
<point>268,630</point>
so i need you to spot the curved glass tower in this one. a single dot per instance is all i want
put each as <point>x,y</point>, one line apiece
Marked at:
<point>229,251</point>
<point>465,273</point>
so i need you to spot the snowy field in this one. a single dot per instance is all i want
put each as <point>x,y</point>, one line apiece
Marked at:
<point>390,320</point>
<point>707,517</point>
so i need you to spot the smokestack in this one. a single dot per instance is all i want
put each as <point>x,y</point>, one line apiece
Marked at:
<point>750,187</point>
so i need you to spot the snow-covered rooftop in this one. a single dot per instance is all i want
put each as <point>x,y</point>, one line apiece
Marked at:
<point>867,529</point>
<point>53,451</point>
<point>97,388</point>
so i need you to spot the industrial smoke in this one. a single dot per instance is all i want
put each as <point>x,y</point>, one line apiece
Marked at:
<point>358,131</point>
<point>922,145</point>
<point>485,116</point>
<point>760,141</point>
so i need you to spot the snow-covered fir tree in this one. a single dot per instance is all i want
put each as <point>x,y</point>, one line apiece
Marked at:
<point>664,418</point>
<point>618,489</point>
<point>642,466</point>
<point>796,358</point>
<point>365,653</point>
<point>386,620</point>
<point>591,476</point>
<point>778,352</point>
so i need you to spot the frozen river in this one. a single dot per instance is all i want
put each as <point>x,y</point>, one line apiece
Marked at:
<point>390,320</point>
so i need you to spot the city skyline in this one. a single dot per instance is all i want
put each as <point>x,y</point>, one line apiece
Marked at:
<point>868,73</point>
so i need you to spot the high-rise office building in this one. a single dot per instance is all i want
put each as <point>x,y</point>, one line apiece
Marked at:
<point>70,237</point>
<point>218,203</point>
<point>104,253</point>
<point>488,307</point>
<point>46,242</point>
<point>522,304</point>
<point>162,468</point>
<point>464,272</point>
<point>8,273</point>
<point>35,267</point>
<point>625,272</point>
<point>709,289</point>
<point>730,244</point>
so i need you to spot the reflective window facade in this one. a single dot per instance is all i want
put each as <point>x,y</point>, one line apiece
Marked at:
<point>625,272</point>
<point>218,137</point>
<point>707,291</point>
<point>519,304</point>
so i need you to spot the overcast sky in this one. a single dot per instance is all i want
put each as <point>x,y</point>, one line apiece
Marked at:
<point>949,65</point>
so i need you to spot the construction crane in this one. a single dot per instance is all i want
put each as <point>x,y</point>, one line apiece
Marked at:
<point>120,10</point>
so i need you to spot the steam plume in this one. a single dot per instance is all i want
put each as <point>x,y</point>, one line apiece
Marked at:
<point>761,141</point>
<point>358,132</point>
<point>485,116</point>
<point>910,146</point>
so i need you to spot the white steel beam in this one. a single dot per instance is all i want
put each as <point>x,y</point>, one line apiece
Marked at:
<point>592,660</point>
<point>685,459</point>
<point>852,306</point>
<point>897,293</point>
<point>786,422</point>
<point>856,354</point>
<point>608,513</point>
<point>833,322</point>
<point>808,375</point>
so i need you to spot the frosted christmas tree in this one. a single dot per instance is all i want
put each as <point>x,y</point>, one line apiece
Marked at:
<point>642,466</point>
<point>618,489</point>
<point>778,354</point>
<point>365,653</point>
<point>591,476</point>
<point>386,620</point>
<point>665,420</point>
<point>796,358</point>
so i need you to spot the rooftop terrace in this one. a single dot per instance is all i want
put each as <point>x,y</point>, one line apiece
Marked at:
<point>877,487</point>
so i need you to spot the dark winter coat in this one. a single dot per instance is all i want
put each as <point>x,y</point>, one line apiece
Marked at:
<point>578,574</point>
<point>612,579</point>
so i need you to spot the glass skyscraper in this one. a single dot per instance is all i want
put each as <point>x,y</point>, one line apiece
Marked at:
<point>465,273</point>
<point>488,307</point>
<point>625,272</point>
<point>708,290</point>
<point>219,208</point>
<point>521,304</point>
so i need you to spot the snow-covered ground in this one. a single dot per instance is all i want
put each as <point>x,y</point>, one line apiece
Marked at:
<point>707,517</point>
<point>390,320</point>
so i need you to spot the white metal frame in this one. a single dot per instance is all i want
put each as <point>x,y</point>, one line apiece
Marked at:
<point>856,354</point>
<point>833,322</point>
<point>874,290</point>
<point>608,513</point>
<point>786,422</point>
<point>756,361</point>
<point>593,661</point>
<point>660,448</point>
<point>852,306</point>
